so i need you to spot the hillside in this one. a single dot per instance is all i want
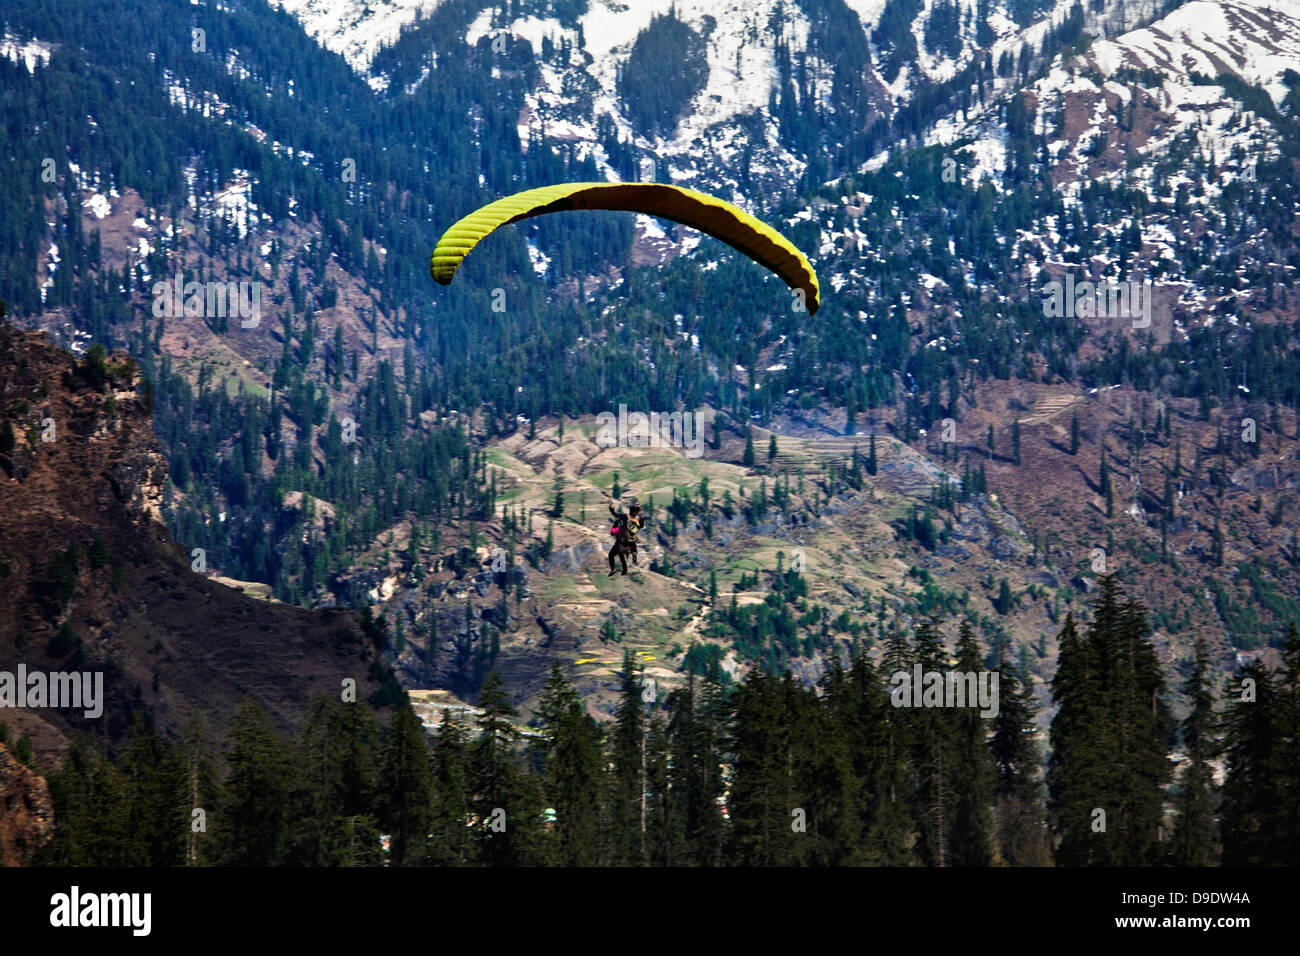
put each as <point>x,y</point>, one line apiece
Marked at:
<point>1036,525</point>
<point>370,438</point>
<point>93,582</point>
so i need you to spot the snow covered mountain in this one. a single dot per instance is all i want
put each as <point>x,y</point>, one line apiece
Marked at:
<point>1135,96</point>
<point>355,29</point>
<point>753,69</point>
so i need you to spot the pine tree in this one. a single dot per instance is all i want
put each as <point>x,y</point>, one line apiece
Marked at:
<point>557,485</point>
<point>335,787</point>
<point>933,754</point>
<point>254,818</point>
<point>1103,479</point>
<point>697,727</point>
<point>824,820</point>
<point>153,802</point>
<point>764,793</point>
<point>1193,839</point>
<point>1076,752</point>
<point>451,843</point>
<point>1021,834</point>
<point>1260,818</point>
<point>201,790</point>
<point>572,762</point>
<point>663,833</point>
<point>90,799</point>
<point>1110,738</point>
<point>1005,600</point>
<point>1287,771</point>
<point>879,741</point>
<point>406,791</point>
<point>497,801</point>
<point>1251,797</point>
<point>1146,733</point>
<point>748,458</point>
<point>970,842</point>
<point>627,787</point>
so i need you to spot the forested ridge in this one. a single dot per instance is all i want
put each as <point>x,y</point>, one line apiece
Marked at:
<point>764,773</point>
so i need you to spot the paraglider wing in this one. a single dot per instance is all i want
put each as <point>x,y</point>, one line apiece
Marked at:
<point>708,214</point>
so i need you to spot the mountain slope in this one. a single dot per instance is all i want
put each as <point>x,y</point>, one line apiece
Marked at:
<point>359,445</point>
<point>92,581</point>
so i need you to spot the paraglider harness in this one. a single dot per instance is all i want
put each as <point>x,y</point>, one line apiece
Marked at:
<point>627,525</point>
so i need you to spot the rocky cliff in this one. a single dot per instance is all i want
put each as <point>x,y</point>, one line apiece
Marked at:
<point>26,814</point>
<point>90,580</point>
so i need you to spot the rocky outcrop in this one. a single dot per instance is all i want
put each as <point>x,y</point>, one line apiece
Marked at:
<point>26,813</point>
<point>90,579</point>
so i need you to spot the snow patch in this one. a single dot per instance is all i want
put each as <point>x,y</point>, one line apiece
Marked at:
<point>355,29</point>
<point>98,206</point>
<point>30,53</point>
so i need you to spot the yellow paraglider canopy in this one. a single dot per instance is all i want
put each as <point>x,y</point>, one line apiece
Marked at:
<point>708,214</point>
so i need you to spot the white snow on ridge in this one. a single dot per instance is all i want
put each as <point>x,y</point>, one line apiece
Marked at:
<point>741,75</point>
<point>541,261</point>
<point>649,225</point>
<point>868,11</point>
<point>355,29</point>
<point>1256,39</point>
<point>530,28</point>
<point>740,43</point>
